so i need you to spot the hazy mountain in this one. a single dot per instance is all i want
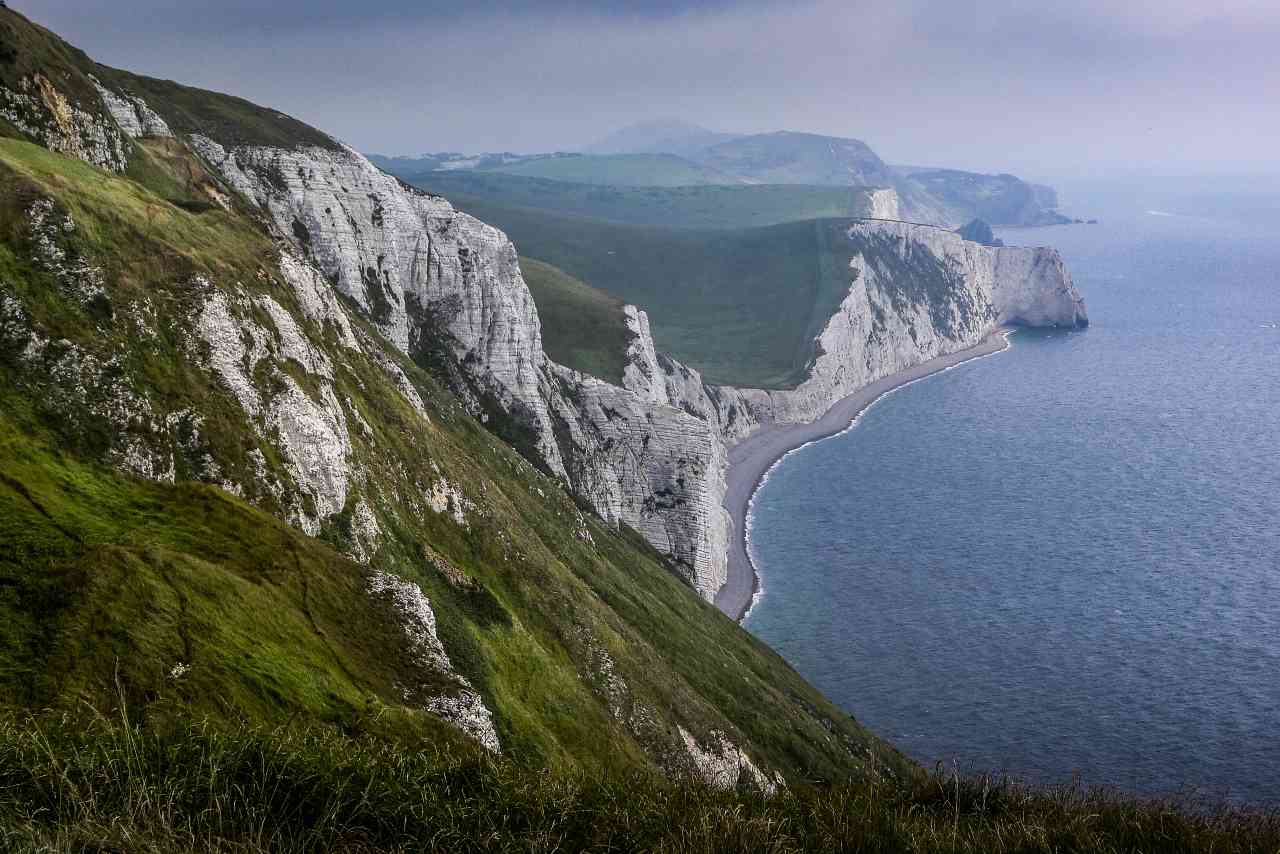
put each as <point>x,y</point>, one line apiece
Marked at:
<point>658,136</point>
<point>787,157</point>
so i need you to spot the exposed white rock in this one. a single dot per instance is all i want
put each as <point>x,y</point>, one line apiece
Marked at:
<point>443,497</point>
<point>430,276</point>
<point>311,434</point>
<point>641,373</point>
<point>366,533</point>
<point>721,764</point>
<point>882,203</point>
<point>291,342</point>
<point>461,706</point>
<point>132,114</point>
<point>650,465</point>
<point>317,299</point>
<point>41,111</point>
<point>77,277</point>
<point>882,326</point>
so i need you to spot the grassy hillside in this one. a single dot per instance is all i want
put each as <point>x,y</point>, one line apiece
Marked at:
<point>96,785</point>
<point>27,49</point>
<point>705,206</point>
<point>742,306</point>
<point>108,584</point>
<point>582,328</point>
<point>637,170</point>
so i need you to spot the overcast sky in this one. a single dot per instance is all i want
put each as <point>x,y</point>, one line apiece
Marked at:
<point>1043,89</point>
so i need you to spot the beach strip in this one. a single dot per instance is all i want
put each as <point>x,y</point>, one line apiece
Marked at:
<point>751,459</point>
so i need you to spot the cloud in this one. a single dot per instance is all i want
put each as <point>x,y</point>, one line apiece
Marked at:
<point>993,85</point>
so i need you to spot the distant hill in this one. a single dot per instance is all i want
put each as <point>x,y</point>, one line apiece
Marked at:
<point>946,197</point>
<point>955,196</point>
<point>449,160</point>
<point>700,206</point>
<point>659,136</point>
<point>634,170</point>
<point>798,158</point>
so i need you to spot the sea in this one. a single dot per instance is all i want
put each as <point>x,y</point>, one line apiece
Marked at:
<point>1061,563</point>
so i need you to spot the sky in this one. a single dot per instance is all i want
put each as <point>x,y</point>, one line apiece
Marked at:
<point>1045,89</point>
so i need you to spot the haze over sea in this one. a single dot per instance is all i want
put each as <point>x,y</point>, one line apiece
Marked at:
<point>1065,559</point>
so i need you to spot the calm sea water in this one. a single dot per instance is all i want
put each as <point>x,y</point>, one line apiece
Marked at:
<point>1064,559</point>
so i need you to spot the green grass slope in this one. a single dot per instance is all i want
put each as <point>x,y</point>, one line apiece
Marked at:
<point>740,305</point>
<point>587,649</point>
<point>107,785</point>
<point>705,206</point>
<point>642,170</point>
<point>582,328</point>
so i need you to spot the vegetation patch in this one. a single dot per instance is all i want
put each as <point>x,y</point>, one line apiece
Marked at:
<point>582,328</point>
<point>698,206</point>
<point>740,305</point>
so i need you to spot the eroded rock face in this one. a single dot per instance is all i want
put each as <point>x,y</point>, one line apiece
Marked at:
<point>41,111</point>
<point>447,290</point>
<point>882,203</point>
<point>132,114</point>
<point>721,764</point>
<point>441,285</point>
<point>310,430</point>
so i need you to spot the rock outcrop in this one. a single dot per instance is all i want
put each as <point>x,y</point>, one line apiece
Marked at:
<point>882,203</point>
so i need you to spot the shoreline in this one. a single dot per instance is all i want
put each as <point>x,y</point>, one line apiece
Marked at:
<point>751,460</point>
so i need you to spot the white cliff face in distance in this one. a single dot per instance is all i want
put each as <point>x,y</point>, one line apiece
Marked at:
<point>446,288</point>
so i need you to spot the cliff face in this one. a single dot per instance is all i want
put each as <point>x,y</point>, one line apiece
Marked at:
<point>652,453</point>
<point>447,291</point>
<point>916,292</point>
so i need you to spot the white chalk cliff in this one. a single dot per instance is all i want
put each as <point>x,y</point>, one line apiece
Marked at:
<point>446,290</point>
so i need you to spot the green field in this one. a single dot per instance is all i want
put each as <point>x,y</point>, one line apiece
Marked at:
<point>701,206</point>
<point>638,170</point>
<point>741,305</point>
<point>582,328</point>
